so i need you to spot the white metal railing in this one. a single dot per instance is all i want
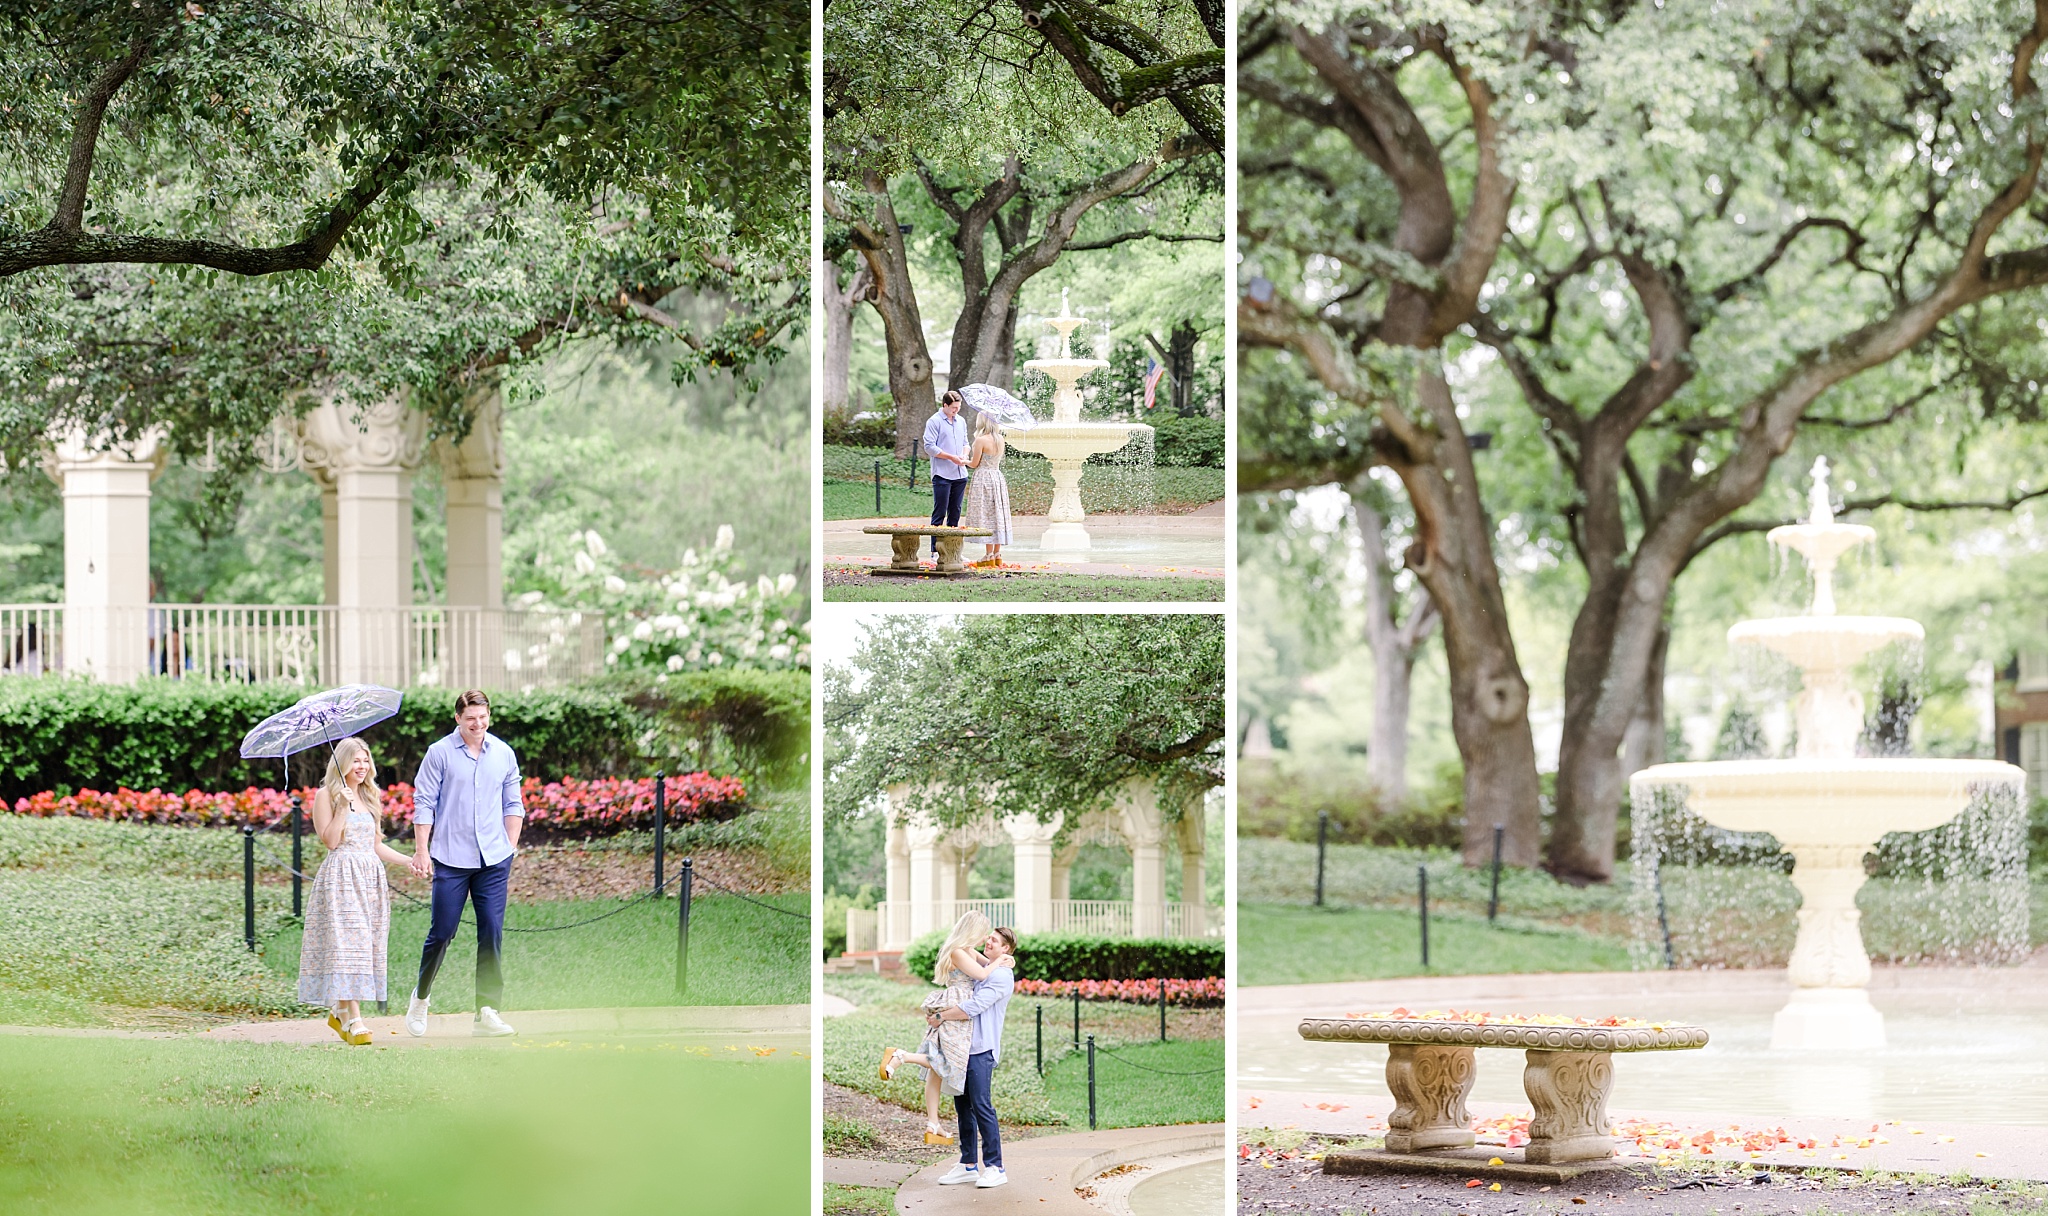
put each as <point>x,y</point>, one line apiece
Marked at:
<point>308,644</point>
<point>861,926</point>
<point>31,639</point>
<point>1102,917</point>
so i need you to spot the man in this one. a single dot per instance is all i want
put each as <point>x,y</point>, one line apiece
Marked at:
<point>466,819</point>
<point>945,444</point>
<point>981,1140</point>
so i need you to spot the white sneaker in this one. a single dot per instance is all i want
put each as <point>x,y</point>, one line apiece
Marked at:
<point>488,1025</point>
<point>416,1014</point>
<point>992,1176</point>
<point>960,1173</point>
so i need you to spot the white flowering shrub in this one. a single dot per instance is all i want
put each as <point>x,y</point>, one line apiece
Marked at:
<point>691,618</point>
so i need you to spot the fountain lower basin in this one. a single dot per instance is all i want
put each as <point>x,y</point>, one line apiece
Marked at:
<point>1828,812</point>
<point>1067,447</point>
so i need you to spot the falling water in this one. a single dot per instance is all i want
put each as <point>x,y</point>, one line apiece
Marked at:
<point>1956,894</point>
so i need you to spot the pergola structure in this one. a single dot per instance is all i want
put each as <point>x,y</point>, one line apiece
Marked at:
<point>929,866</point>
<point>367,629</point>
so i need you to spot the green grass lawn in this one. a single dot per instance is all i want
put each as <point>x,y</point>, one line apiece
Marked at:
<point>845,585</point>
<point>888,1016</point>
<point>859,1200</point>
<point>102,922</point>
<point>1291,944</point>
<point>1128,1095</point>
<point>142,1127</point>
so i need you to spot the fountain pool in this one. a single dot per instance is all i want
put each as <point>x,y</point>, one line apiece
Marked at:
<point>1188,1188</point>
<point>1964,1044</point>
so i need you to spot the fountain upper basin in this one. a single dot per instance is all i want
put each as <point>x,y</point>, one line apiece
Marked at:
<point>1813,642</point>
<point>1074,440</point>
<point>1822,803</point>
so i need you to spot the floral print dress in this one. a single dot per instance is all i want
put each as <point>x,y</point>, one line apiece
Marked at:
<point>348,919</point>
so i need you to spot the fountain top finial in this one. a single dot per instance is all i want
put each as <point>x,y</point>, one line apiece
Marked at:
<point>1820,503</point>
<point>1064,310</point>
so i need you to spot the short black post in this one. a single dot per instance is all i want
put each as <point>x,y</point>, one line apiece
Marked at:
<point>1162,1009</point>
<point>1422,896</point>
<point>249,884</point>
<point>1091,1082</point>
<point>298,858</point>
<point>1041,1039</point>
<point>660,826</point>
<point>1664,921</point>
<point>1077,1019</point>
<point>1322,843</point>
<point>878,485</point>
<point>1493,899</point>
<point>683,931</point>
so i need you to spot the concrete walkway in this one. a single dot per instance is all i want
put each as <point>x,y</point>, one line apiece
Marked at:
<point>779,1026</point>
<point>858,1171</point>
<point>1045,1170</point>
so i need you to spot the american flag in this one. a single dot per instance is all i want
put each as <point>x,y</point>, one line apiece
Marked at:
<point>1154,369</point>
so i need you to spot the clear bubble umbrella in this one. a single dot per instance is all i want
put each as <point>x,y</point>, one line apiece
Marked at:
<point>325,718</point>
<point>1006,409</point>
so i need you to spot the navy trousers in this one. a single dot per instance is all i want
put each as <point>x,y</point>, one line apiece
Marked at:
<point>981,1141</point>
<point>484,890</point>
<point>947,495</point>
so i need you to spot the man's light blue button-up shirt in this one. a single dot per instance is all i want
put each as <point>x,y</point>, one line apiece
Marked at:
<point>944,435</point>
<point>991,997</point>
<point>466,800</point>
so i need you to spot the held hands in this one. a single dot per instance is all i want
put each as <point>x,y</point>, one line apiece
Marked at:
<point>421,864</point>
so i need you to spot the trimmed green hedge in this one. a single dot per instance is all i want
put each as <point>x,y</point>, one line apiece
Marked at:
<point>1189,443</point>
<point>66,735</point>
<point>1075,956</point>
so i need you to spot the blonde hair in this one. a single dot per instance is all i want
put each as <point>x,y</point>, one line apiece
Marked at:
<point>971,930</point>
<point>985,424</point>
<point>336,784</point>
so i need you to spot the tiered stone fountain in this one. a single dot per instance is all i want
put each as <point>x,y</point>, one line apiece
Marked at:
<point>1066,441</point>
<point>1827,806</point>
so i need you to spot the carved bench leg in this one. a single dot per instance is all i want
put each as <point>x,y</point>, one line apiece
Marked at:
<point>1569,1091</point>
<point>903,551</point>
<point>949,554</point>
<point>1429,1084</point>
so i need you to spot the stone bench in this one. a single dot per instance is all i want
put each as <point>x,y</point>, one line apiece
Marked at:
<point>905,538</point>
<point>1569,1073</point>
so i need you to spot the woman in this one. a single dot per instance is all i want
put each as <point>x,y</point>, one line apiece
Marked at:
<point>943,1055</point>
<point>348,911</point>
<point>988,495</point>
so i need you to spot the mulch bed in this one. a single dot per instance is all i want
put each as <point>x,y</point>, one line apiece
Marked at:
<point>902,1131</point>
<point>1297,1185</point>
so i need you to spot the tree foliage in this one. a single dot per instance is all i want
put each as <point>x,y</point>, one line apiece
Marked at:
<point>1035,715</point>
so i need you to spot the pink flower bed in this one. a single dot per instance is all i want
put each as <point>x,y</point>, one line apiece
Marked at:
<point>569,807</point>
<point>1142,992</point>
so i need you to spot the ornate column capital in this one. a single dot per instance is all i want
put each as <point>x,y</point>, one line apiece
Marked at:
<point>387,435</point>
<point>1030,829</point>
<point>481,454</point>
<point>1139,816</point>
<point>77,449</point>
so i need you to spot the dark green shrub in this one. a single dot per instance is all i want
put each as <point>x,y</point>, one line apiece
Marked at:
<point>862,432</point>
<point>70,734</point>
<point>1189,443</point>
<point>1283,802</point>
<point>1075,956</point>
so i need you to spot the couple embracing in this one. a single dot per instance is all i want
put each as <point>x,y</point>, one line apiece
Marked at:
<point>467,814</point>
<point>977,968</point>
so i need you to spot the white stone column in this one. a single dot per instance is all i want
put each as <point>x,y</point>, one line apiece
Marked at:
<point>370,458</point>
<point>1190,831</point>
<point>1063,873</point>
<point>1144,832</point>
<point>1032,839</point>
<point>896,883</point>
<point>106,551</point>
<point>473,473</point>
<point>923,839</point>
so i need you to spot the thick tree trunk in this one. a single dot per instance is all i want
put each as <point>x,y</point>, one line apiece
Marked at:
<point>1643,745</point>
<point>880,242</point>
<point>840,301</point>
<point>1180,365</point>
<point>1453,557</point>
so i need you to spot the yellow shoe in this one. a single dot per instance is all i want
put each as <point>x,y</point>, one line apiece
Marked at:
<point>334,1024</point>
<point>888,1069</point>
<point>356,1034</point>
<point>932,1137</point>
